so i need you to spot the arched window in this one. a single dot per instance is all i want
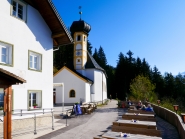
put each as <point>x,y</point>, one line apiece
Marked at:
<point>79,38</point>
<point>72,93</point>
<point>84,39</point>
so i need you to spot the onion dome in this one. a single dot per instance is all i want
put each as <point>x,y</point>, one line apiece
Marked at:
<point>80,26</point>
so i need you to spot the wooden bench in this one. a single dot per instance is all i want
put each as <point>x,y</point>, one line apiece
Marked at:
<point>143,131</point>
<point>140,111</point>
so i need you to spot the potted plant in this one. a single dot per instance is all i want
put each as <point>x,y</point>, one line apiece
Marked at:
<point>35,105</point>
<point>76,103</point>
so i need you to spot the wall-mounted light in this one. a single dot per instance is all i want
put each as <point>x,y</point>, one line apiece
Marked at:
<point>158,102</point>
<point>176,107</point>
<point>183,117</point>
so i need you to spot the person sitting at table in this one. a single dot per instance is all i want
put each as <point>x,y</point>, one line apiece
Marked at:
<point>149,108</point>
<point>129,102</point>
<point>143,108</point>
<point>139,105</point>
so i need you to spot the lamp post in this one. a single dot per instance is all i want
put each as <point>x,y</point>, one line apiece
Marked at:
<point>176,107</point>
<point>158,102</point>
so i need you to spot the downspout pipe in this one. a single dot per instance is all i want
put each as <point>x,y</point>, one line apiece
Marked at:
<point>102,87</point>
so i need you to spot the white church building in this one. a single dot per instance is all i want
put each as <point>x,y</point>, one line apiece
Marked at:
<point>29,29</point>
<point>86,82</point>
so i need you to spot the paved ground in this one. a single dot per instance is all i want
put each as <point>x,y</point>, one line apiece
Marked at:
<point>89,126</point>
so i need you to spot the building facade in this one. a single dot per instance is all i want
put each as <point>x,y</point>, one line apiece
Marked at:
<point>85,67</point>
<point>29,29</point>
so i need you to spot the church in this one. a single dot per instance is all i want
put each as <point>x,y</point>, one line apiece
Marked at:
<point>87,81</point>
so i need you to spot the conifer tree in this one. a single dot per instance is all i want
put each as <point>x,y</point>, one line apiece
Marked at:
<point>102,58</point>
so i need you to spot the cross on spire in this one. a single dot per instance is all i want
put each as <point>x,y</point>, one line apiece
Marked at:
<point>80,12</point>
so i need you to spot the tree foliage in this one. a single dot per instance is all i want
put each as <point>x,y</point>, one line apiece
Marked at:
<point>142,88</point>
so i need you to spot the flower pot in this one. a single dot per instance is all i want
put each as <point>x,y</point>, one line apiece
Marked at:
<point>34,106</point>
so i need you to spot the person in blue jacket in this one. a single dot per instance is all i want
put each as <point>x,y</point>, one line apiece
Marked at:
<point>149,108</point>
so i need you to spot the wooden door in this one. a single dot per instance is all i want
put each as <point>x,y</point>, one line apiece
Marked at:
<point>7,110</point>
<point>54,97</point>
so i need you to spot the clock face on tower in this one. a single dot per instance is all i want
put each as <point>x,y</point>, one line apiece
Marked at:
<point>78,53</point>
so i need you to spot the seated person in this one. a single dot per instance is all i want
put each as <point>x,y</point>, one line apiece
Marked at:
<point>149,108</point>
<point>143,108</point>
<point>139,105</point>
<point>129,102</point>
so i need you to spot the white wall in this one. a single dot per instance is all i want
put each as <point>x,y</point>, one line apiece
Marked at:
<point>34,35</point>
<point>88,93</point>
<point>71,82</point>
<point>97,76</point>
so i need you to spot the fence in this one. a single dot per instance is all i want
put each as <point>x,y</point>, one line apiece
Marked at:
<point>172,118</point>
<point>23,119</point>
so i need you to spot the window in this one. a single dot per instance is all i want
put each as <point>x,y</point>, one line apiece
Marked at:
<point>78,38</point>
<point>18,9</point>
<point>84,38</point>
<point>35,99</point>
<point>35,61</point>
<point>1,97</point>
<point>72,93</point>
<point>6,56</point>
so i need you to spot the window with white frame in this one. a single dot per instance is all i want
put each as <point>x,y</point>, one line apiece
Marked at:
<point>6,55</point>
<point>35,99</point>
<point>19,9</point>
<point>35,61</point>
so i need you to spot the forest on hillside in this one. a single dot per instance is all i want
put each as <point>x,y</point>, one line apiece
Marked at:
<point>127,69</point>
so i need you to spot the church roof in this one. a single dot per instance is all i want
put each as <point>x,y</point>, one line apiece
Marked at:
<point>76,73</point>
<point>91,63</point>
<point>80,26</point>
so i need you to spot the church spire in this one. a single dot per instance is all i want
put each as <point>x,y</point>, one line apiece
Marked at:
<point>80,12</point>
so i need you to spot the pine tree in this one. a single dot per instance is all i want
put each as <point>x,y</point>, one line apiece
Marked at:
<point>102,58</point>
<point>89,47</point>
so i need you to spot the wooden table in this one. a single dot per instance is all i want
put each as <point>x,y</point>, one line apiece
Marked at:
<point>132,107</point>
<point>116,135</point>
<point>141,117</point>
<point>138,124</point>
<point>84,108</point>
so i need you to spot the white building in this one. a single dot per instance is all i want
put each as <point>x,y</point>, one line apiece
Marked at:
<point>29,29</point>
<point>86,82</point>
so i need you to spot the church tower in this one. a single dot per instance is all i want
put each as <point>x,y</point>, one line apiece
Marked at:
<point>79,31</point>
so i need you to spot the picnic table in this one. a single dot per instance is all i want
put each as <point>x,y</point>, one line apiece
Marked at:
<point>139,116</point>
<point>116,135</point>
<point>136,124</point>
<point>132,107</point>
<point>84,108</point>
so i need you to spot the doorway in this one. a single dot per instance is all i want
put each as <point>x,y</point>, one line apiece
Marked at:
<point>54,98</point>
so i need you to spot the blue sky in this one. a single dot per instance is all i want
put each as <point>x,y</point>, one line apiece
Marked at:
<point>151,29</point>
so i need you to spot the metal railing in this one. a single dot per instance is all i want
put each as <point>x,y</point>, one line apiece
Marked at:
<point>38,112</point>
